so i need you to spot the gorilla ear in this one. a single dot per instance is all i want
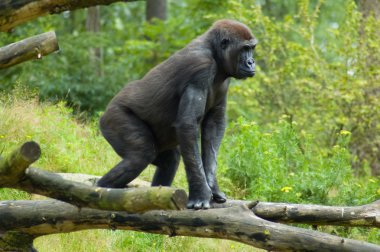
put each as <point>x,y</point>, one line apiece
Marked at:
<point>224,43</point>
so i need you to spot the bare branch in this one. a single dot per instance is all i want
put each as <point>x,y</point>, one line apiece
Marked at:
<point>356,216</point>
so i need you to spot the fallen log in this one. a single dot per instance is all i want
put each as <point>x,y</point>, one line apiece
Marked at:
<point>31,48</point>
<point>26,220</point>
<point>33,180</point>
<point>13,13</point>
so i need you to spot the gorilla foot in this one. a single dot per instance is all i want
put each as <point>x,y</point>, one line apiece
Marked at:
<point>219,197</point>
<point>198,204</point>
<point>199,198</point>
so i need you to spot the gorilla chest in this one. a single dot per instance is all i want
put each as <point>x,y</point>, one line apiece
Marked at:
<point>216,94</point>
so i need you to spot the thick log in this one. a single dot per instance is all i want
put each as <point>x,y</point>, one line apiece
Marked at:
<point>132,200</point>
<point>31,48</point>
<point>13,13</point>
<point>239,223</point>
<point>353,216</point>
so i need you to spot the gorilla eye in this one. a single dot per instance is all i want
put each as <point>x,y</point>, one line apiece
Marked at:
<point>224,43</point>
<point>247,48</point>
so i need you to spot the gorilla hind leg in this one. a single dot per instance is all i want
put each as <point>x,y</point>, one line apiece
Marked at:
<point>123,173</point>
<point>167,164</point>
<point>133,140</point>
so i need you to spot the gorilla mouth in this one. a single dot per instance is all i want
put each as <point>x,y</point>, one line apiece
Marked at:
<point>248,73</point>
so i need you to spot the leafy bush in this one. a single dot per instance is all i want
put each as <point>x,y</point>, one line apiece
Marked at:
<point>285,166</point>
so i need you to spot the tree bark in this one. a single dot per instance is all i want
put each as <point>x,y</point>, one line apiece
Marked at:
<point>13,13</point>
<point>156,9</point>
<point>29,219</point>
<point>31,48</point>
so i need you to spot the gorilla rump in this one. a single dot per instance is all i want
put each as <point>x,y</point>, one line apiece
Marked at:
<point>157,119</point>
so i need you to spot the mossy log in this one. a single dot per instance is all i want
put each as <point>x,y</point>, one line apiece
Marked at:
<point>13,13</point>
<point>33,180</point>
<point>31,48</point>
<point>238,223</point>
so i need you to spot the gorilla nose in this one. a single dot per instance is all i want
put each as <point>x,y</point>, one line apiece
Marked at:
<point>250,63</point>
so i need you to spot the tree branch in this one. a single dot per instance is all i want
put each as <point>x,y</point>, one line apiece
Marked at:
<point>13,13</point>
<point>356,216</point>
<point>31,48</point>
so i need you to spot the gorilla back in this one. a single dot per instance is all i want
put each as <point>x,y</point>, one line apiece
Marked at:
<point>150,118</point>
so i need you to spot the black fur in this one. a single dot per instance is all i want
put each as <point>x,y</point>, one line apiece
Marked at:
<point>149,118</point>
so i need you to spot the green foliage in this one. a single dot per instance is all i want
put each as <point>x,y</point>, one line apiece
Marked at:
<point>323,75</point>
<point>285,166</point>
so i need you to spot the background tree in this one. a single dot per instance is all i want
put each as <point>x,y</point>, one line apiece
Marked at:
<point>156,9</point>
<point>93,25</point>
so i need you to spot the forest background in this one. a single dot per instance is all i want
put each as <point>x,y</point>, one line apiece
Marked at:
<point>305,129</point>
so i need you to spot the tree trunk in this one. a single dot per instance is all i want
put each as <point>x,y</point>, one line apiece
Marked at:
<point>93,26</point>
<point>156,9</point>
<point>31,48</point>
<point>13,13</point>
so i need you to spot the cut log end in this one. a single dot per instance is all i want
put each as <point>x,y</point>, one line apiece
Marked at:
<point>31,151</point>
<point>179,199</point>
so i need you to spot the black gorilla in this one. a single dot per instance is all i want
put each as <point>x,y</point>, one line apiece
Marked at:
<point>149,118</point>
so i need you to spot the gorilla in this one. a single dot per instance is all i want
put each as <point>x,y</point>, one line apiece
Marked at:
<point>160,117</point>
